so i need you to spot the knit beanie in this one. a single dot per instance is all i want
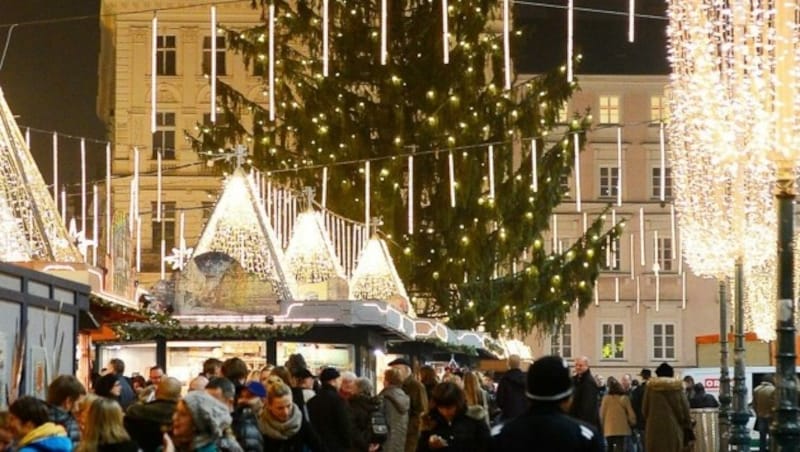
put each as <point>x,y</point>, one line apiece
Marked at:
<point>548,380</point>
<point>665,370</point>
<point>209,416</point>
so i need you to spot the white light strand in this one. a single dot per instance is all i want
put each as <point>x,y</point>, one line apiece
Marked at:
<point>324,187</point>
<point>136,157</point>
<point>673,242</point>
<point>663,161</point>
<point>384,32</point>
<point>158,186</point>
<point>182,233</point>
<point>271,56</point>
<point>638,294</point>
<point>641,234</point>
<point>108,199</point>
<point>577,149</point>
<point>55,167</point>
<point>596,293</point>
<point>410,195</point>
<point>555,233</point>
<point>658,291</point>
<point>138,244</point>
<point>83,186</point>
<point>616,290</point>
<point>585,219</point>
<point>95,223</point>
<point>325,36</point>
<point>163,259</point>
<point>656,260</point>
<point>570,33</point>
<point>452,173</point>
<point>683,291</point>
<point>366,195</point>
<point>213,75</point>
<point>534,166</point>
<point>619,166</point>
<point>507,42</point>
<point>631,19</point>
<point>491,172</point>
<point>633,254</point>
<point>445,33</point>
<point>154,69</point>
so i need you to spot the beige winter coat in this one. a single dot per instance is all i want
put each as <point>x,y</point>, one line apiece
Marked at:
<point>616,415</point>
<point>666,413</point>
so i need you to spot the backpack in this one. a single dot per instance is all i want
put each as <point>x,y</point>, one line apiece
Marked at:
<point>379,428</point>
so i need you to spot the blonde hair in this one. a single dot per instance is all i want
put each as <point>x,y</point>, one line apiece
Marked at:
<point>276,389</point>
<point>104,425</point>
<point>472,389</point>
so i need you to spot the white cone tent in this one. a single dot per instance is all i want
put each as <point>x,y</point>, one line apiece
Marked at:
<point>376,278</point>
<point>29,212</point>
<point>310,256</point>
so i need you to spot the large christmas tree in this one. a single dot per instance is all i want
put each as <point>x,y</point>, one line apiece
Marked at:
<point>482,262</point>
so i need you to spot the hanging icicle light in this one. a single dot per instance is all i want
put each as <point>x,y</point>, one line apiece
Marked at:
<point>631,18</point>
<point>445,33</point>
<point>451,172</point>
<point>384,32</point>
<point>325,36</point>
<point>577,151</point>
<point>570,33</point>
<point>213,100</point>
<point>410,195</point>
<point>534,166</point>
<point>153,71</point>
<point>507,43</point>
<point>271,56</point>
<point>491,171</point>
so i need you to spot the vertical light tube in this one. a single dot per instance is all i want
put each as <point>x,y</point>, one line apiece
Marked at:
<point>451,171</point>
<point>638,294</point>
<point>585,219</point>
<point>507,43</point>
<point>366,195</point>
<point>153,68</point>
<point>658,291</point>
<point>158,187</point>
<point>663,170</point>
<point>136,182</point>
<point>182,237</point>
<point>64,205</point>
<point>633,254</point>
<point>325,36</point>
<point>55,167</point>
<point>641,234</point>
<point>384,32</point>
<point>596,293</point>
<point>656,260</point>
<point>619,166</point>
<point>613,217</point>
<point>445,33</point>
<point>271,66</point>
<point>83,187</point>
<point>213,99</point>
<point>673,248</point>
<point>95,223</point>
<point>616,290</point>
<point>534,166</point>
<point>28,138</point>
<point>410,195</point>
<point>555,232</point>
<point>577,147</point>
<point>108,199</point>
<point>163,257</point>
<point>570,33</point>
<point>631,18</point>
<point>683,291</point>
<point>491,171</point>
<point>138,244</point>
<point>324,187</point>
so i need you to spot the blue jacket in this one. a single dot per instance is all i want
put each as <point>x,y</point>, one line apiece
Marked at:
<point>47,437</point>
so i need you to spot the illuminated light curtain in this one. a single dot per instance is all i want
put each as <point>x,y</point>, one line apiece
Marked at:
<point>310,256</point>
<point>376,278</point>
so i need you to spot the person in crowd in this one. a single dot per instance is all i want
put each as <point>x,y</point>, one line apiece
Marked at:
<point>82,411</point>
<point>450,425</point>
<point>145,422</point>
<point>32,430</point>
<point>329,413</point>
<point>147,394</point>
<point>304,382</point>
<point>295,362</point>
<point>418,398</point>
<point>109,386</point>
<point>264,373</point>
<point>138,383</point>
<point>223,390</point>
<point>627,383</point>
<point>104,429</point>
<point>764,396</point>
<point>63,397</point>
<point>245,417</point>
<point>688,387</point>
<point>156,373</point>
<point>396,405</point>
<point>283,373</point>
<point>235,370</point>
<point>347,388</point>
<point>616,416</point>
<point>428,378</point>
<point>637,397</point>
<point>198,383</point>
<point>585,400</point>
<point>511,390</point>
<point>546,425</point>
<point>702,399</point>
<point>126,396</point>
<point>362,404</point>
<point>212,367</point>
<point>283,425</point>
<point>198,424</point>
<point>666,411</point>
<point>476,396</point>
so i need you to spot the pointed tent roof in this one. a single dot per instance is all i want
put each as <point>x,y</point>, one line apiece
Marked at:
<point>239,227</point>
<point>376,278</point>
<point>310,256</point>
<point>28,200</point>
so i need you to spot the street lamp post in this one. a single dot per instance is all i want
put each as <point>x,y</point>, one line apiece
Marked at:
<point>724,380</point>
<point>739,434</point>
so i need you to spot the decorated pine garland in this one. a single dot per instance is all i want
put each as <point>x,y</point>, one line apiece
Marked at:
<point>174,330</point>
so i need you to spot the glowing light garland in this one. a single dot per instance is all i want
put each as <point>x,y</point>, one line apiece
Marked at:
<point>310,256</point>
<point>376,278</point>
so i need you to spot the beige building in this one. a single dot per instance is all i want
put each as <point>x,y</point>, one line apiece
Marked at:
<point>640,319</point>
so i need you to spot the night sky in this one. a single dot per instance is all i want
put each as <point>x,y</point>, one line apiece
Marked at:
<point>49,76</point>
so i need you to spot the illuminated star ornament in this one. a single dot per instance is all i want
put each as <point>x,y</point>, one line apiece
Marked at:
<point>180,256</point>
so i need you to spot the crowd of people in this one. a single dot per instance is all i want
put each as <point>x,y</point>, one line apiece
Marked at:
<point>231,408</point>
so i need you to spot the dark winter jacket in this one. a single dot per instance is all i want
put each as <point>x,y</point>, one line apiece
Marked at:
<point>637,396</point>
<point>395,405</point>
<point>126,396</point>
<point>65,419</point>
<point>546,428</point>
<point>511,394</point>
<point>361,408</point>
<point>586,399</point>
<point>245,428</point>
<point>331,419</point>
<point>703,400</point>
<point>305,440</point>
<point>467,432</point>
<point>419,405</point>
<point>147,422</point>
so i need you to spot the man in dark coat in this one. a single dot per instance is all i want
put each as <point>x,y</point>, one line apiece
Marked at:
<point>329,413</point>
<point>585,400</point>
<point>147,422</point>
<point>546,426</point>
<point>511,390</point>
<point>637,397</point>
<point>127,396</point>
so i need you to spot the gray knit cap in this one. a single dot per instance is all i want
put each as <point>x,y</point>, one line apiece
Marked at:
<point>209,416</point>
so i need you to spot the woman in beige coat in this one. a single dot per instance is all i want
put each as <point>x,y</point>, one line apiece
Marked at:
<point>668,423</point>
<point>616,416</point>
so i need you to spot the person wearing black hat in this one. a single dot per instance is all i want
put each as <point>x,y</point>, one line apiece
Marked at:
<point>546,425</point>
<point>329,413</point>
<point>637,396</point>
<point>666,405</point>
<point>419,401</point>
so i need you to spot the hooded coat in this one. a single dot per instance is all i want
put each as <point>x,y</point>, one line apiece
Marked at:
<point>511,394</point>
<point>395,405</point>
<point>146,422</point>
<point>665,404</point>
<point>47,437</point>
